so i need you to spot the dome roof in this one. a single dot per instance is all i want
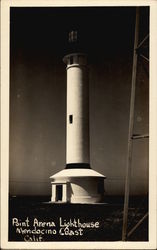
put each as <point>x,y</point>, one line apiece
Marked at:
<point>77,172</point>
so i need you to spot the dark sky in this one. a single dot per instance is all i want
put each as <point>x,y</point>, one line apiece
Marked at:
<point>101,30</point>
<point>38,42</point>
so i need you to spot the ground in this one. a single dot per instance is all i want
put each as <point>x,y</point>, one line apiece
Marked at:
<point>36,219</point>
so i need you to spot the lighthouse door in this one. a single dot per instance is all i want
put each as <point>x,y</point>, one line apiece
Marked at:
<point>59,192</point>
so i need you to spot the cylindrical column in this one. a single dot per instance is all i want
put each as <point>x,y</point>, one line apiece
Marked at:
<point>77,120</point>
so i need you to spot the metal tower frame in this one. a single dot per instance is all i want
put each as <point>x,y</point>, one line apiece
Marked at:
<point>131,136</point>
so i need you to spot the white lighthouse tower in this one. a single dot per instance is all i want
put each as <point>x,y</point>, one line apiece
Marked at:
<point>77,183</point>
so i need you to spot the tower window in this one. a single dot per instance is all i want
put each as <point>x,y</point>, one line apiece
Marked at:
<point>70,118</point>
<point>71,60</point>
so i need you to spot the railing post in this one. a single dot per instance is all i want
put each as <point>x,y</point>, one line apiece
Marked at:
<point>130,133</point>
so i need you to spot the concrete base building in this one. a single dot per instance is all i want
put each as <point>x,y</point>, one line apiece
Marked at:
<point>78,186</point>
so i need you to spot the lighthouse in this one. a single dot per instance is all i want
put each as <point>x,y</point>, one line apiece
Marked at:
<point>77,183</point>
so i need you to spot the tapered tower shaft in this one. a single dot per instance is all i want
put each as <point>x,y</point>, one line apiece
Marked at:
<point>77,120</point>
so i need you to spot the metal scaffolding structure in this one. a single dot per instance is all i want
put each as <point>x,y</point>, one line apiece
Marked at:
<point>131,136</point>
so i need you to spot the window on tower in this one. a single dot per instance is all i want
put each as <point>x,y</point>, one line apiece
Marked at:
<point>71,60</point>
<point>70,118</point>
